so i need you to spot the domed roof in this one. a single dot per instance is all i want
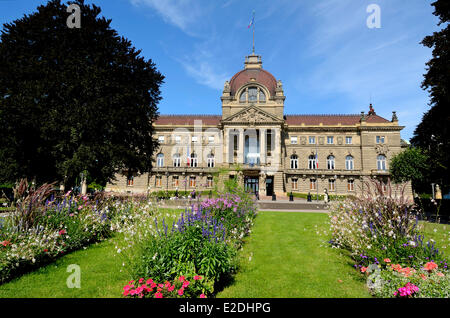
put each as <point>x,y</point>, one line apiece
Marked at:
<point>253,72</point>
<point>251,76</point>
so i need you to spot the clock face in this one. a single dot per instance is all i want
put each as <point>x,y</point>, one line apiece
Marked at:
<point>252,94</point>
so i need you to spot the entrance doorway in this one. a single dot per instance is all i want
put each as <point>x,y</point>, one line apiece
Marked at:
<point>269,186</point>
<point>251,184</point>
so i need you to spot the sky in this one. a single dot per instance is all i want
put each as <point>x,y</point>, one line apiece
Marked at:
<point>328,58</point>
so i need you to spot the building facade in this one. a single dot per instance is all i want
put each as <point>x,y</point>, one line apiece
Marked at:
<point>266,150</point>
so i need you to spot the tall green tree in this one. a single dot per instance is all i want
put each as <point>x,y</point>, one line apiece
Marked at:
<point>433,134</point>
<point>73,99</point>
<point>409,165</point>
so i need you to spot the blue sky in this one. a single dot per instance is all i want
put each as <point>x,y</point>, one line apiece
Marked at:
<point>329,61</point>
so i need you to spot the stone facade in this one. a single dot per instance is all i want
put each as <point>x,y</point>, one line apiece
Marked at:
<point>268,151</point>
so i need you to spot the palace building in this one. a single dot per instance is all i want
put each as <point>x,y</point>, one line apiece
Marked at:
<point>267,150</point>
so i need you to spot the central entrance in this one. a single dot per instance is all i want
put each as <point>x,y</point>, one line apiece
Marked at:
<point>251,184</point>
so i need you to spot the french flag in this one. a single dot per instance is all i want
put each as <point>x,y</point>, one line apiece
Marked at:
<point>317,161</point>
<point>251,22</point>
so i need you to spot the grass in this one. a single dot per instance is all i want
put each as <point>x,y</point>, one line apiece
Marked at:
<point>287,256</point>
<point>440,233</point>
<point>101,276</point>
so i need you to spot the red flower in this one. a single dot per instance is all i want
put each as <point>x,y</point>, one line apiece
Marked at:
<point>62,232</point>
<point>158,295</point>
<point>430,266</point>
<point>182,278</point>
<point>197,277</point>
<point>181,291</point>
<point>5,243</point>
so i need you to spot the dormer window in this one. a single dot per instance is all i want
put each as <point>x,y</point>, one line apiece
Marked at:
<point>252,94</point>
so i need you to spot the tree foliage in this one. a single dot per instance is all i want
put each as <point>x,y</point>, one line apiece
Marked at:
<point>73,99</point>
<point>409,165</point>
<point>433,134</point>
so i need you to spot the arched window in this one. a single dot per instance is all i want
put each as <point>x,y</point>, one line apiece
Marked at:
<point>176,160</point>
<point>262,96</point>
<point>349,165</point>
<point>312,162</point>
<point>243,97</point>
<point>252,94</point>
<point>210,161</point>
<point>330,162</point>
<point>160,160</point>
<point>194,160</point>
<point>381,163</point>
<point>294,162</point>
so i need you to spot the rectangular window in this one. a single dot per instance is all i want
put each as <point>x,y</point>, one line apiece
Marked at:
<point>331,184</point>
<point>293,140</point>
<point>380,139</point>
<point>312,184</point>
<point>312,140</point>
<point>177,139</point>
<point>194,139</point>
<point>330,140</point>
<point>294,184</point>
<point>348,140</point>
<point>175,182</point>
<point>209,182</point>
<point>158,181</point>
<point>211,139</point>
<point>161,139</point>
<point>192,182</point>
<point>351,185</point>
<point>130,180</point>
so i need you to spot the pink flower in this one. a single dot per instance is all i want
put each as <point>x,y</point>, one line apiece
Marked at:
<point>440,274</point>
<point>181,291</point>
<point>197,277</point>
<point>202,296</point>
<point>363,269</point>
<point>185,284</point>
<point>171,288</point>
<point>149,281</point>
<point>62,232</point>
<point>5,243</point>
<point>387,260</point>
<point>158,295</point>
<point>182,278</point>
<point>141,280</point>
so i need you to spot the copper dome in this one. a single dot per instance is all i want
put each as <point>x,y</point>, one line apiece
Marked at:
<point>259,76</point>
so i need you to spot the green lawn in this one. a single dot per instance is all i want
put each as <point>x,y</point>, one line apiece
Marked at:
<point>287,256</point>
<point>101,276</point>
<point>440,233</point>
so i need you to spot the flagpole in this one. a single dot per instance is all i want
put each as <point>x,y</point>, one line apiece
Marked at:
<point>253,31</point>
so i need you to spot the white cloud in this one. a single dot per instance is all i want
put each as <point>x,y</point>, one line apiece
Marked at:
<point>180,13</point>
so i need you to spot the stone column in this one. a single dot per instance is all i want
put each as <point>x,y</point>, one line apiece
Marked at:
<point>262,146</point>
<point>241,146</point>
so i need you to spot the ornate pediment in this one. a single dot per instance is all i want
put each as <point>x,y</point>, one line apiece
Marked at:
<point>252,115</point>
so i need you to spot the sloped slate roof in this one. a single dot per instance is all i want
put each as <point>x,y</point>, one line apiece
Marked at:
<point>327,120</point>
<point>188,119</point>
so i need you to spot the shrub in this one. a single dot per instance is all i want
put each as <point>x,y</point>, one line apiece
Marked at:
<point>380,231</point>
<point>194,244</point>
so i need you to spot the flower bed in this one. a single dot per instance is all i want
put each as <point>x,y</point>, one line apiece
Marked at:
<point>202,241</point>
<point>382,234</point>
<point>44,227</point>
